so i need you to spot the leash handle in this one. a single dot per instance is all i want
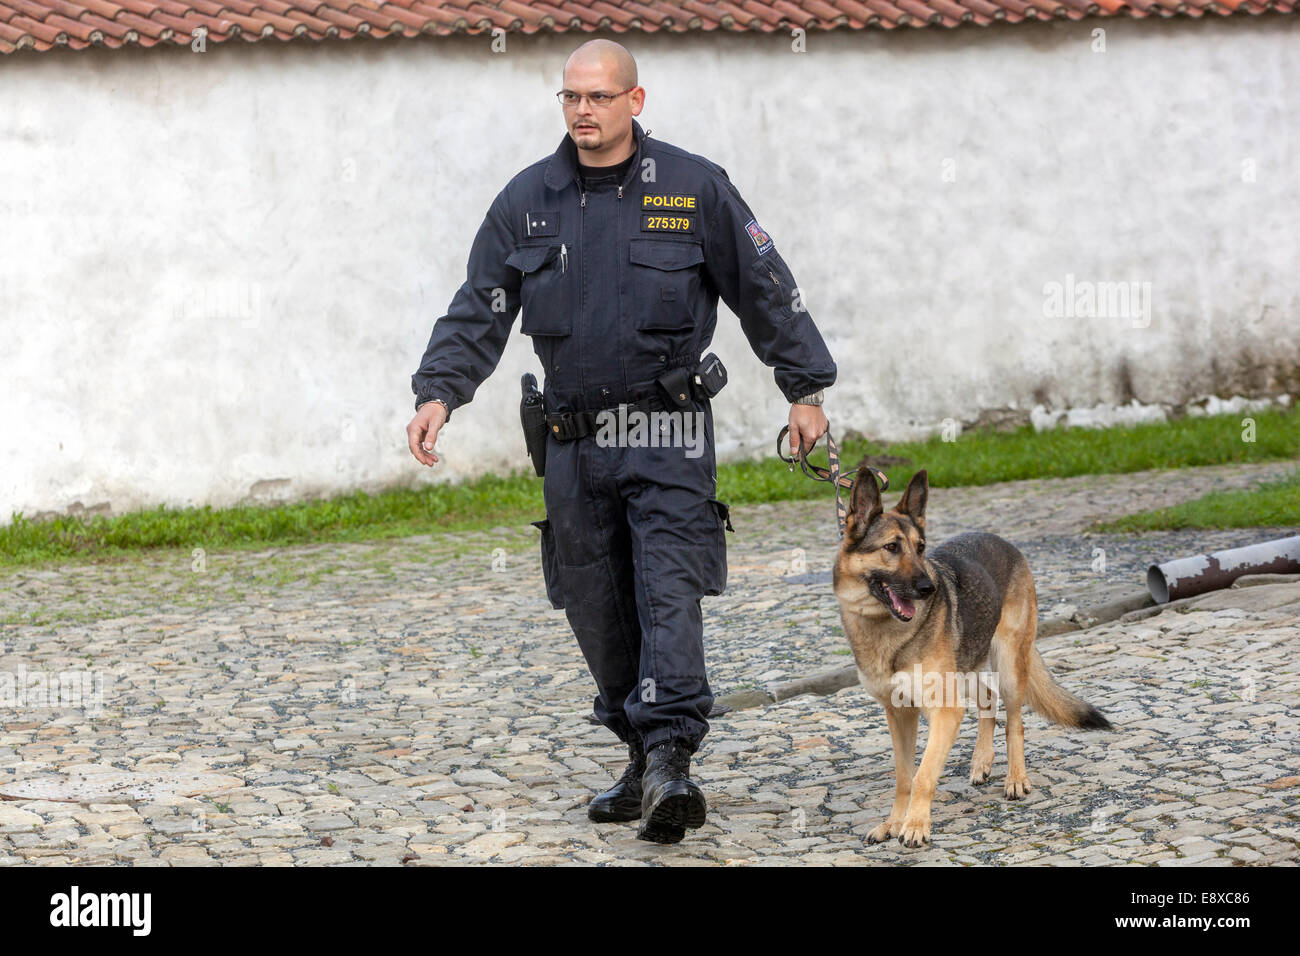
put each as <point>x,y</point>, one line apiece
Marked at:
<point>831,474</point>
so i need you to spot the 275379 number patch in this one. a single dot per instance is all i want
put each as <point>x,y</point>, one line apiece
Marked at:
<point>658,223</point>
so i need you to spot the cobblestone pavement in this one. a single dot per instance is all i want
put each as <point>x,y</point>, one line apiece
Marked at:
<point>419,701</point>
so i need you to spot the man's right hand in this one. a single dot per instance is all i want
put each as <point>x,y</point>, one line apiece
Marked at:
<point>422,432</point>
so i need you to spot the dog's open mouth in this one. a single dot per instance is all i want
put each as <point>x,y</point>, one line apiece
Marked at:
<point>900,607</point>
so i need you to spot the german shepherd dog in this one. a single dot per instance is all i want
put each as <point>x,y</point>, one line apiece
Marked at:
<point>920,623</point>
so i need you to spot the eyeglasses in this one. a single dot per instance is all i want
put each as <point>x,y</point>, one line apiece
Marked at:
<point>598,99</point>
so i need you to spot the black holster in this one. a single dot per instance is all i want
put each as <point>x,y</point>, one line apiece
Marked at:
<point>532,415</point>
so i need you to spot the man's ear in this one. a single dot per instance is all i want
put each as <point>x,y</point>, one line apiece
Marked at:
<point>864,506</point>
<point>914,497</point>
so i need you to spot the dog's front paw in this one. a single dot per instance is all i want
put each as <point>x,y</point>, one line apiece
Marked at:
<point>1017,787</point>
<point>915,832</point>
<point>980,775</point>
<point>881,833</point>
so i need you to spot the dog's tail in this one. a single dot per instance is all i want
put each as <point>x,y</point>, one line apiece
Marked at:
<point>1056,703</point>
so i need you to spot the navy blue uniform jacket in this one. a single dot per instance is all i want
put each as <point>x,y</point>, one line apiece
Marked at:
<point>619,283</point>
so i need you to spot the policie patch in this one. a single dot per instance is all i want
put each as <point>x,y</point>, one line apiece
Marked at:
<point>762,241</point>
<point>687,204</point>
<point>668,213</point>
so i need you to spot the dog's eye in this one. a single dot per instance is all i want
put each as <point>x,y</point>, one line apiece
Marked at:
<point>892,547</point>
<point>920,546</point>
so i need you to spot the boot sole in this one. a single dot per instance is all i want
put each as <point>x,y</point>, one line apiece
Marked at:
<point>681,808</point>
<point>614,816</point>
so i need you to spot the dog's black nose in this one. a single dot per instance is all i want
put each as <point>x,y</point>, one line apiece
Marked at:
<point>925,587</point>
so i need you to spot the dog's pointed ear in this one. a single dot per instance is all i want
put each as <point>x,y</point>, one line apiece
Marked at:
<point>864,506</point>
<point>914,497</point>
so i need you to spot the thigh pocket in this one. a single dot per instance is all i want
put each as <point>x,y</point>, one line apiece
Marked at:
<point>550,564</point>
<point>545,289</point>
<point>665,282</point>
<point>715,573</point>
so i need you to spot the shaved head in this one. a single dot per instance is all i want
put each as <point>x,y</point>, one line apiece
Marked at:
<point>610,57</point>
<point>602,134</point>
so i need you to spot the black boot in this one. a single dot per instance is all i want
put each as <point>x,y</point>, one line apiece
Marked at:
<point>621,802</point>
<point>670,802</point>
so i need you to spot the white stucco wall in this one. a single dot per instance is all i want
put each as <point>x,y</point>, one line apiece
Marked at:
<point>218,271</point>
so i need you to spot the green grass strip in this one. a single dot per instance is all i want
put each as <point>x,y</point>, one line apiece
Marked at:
<point>975,458</point>
<point>1274,504</point>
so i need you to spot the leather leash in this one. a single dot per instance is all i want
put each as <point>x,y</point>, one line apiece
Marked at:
<point>831,474</point>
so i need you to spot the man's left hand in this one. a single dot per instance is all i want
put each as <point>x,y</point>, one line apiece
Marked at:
<point>807,424</point>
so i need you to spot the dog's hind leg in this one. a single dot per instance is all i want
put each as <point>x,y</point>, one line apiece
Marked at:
<point>1017,773</point>
<point>981,762</point>
<point>902,730</point>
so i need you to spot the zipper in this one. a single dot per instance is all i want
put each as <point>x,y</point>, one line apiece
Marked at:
<point>637,152</point>
<point>580,280</point>
<point>564,258</point>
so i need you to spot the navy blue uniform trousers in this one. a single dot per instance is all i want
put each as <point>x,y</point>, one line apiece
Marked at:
<point>633,538</point>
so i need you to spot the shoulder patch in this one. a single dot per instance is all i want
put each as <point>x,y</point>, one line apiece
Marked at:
<point>762,241</point>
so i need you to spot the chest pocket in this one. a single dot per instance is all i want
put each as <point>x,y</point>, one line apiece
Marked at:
<point>665,281</point>
<point>545,291</point>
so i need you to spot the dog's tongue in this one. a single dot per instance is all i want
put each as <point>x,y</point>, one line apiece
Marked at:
<point>903,607</point>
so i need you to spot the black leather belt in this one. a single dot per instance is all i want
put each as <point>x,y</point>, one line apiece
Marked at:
<point>568,426</point>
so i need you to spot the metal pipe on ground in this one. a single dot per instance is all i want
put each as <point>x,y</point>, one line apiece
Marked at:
<point>1186,577</point>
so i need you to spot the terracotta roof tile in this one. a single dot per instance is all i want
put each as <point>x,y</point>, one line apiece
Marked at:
<point>922,12</point>
<point>413,22</point>
<point>70,10</point>
<point>888,12</point>
<point>77,24</point>
<point>75,28</point>
<point>266,6</point>
<point>361,21</point>
<point>728,15</point>
<point>26,8</point>
<point>107,29</point>
<point>309,21</point>
<point>952,11</point>
<point>449,20</point>
<point>42,31</point>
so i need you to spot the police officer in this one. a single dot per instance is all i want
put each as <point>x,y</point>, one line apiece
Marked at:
<point>617,248</point>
